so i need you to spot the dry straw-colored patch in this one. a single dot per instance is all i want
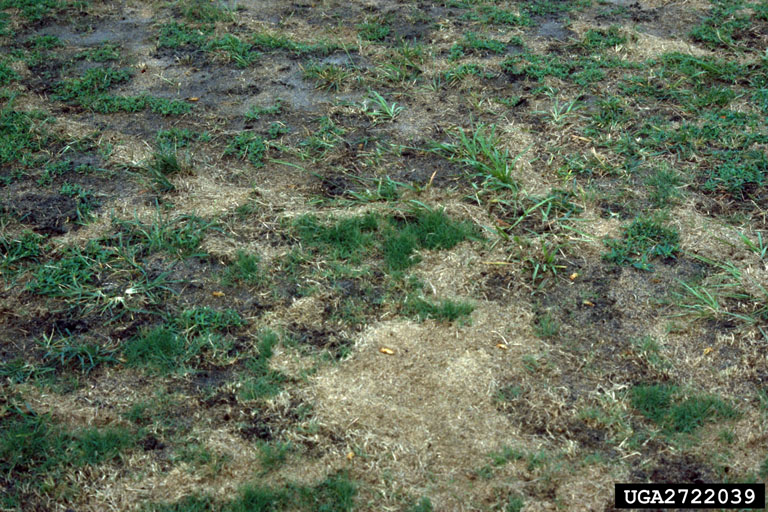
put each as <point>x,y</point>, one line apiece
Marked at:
<point>148,479</point>
<point>426,413</point>
<point>642,45</point>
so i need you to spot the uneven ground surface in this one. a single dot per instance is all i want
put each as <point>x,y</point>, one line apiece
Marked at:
<point>380,255</point>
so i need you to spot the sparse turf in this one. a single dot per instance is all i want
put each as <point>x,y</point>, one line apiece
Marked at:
<point>460,255</point>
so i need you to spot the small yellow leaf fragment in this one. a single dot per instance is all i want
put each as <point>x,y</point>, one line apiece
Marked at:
<point>194,98</point>
<point>573,276</point>
<point>388,351</point>
<point>589,303</point>
<point>708,350</point>
<point>350,455</point>
<point>217,294</point>
<point>502,346</point>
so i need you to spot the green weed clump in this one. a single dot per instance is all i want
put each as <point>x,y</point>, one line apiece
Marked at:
<point>249,146</point>
<point>77,274</point>
<point>182,341</point>
<point>180,236</point>
<point>443,311</point>
<point>582,71</point>
<point>93,82</point>
<point>374,30</point>
<point>256,111</point>
<point>203,320</point>
<point>472,43</point>
<point>175,138</point>
<point>159,348</point>
<point>260,380</point>
<point>7,75</point>
<point>458,73</point>
<point>702,70</point>
<point>90,91</point>
<point>396,239</point>
<point>481,150</point>
<point>20,136</point>
<point>336,493</point>
<point>599,39</point>
<point>671,409</point>
<point>203,11</point>
<point>240,51</point>
<point>269,42</point>
<point>492,15</point>
<point>325,137</point>
<point>246,268</point>
<point>110,104</point>
<point>15,251</point>
<point>34,10</point>
<point>664,187</point>
<point>85,200</point>
<point>105,52</point>
<point>163,165</point>
<point>96,446</point>
<point>176,35</point>
<point>75,270</point>
<point>644,239</point>
<point>38,455</point>
<point>328,76</point>
<point>430,229</point>
<point>739,173</point>
<point>59,356</point>
<point>726,22</point>
<point>69,353</point>
<point>346,239</point>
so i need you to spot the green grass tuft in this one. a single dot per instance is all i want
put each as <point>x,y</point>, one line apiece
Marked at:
<point>34,10</point>
<point>93,82</point>
<point>105,52</point>
<point>481,150</point>
<point>21,136</point>
<point>396,239</point>
<point>472,43</point>
<point>644,239</point>
<point>346,239</point>
<point>174,138</point>
<point>328,76</point>
<point>725,24</point>
<point>256,111</point>
<point>203,11</point>
<point>424,505</point>
<point>179,236</point>
<point>666,406</point>
<point>39,456</point>
<point>176,35</point>
<point>245,268</point>
<point>160,348</point>
<point>599,39</point>
<point>239,51</point>
<point>739,173</point>
<point>96,446</point>
<point>374,30</point>
<point>7,75</point>
<point>260,380</point>
<point>444,311</point>
<point>202,320</point>
<point>69,353</point>
<point>163,165</point>
<point>249,146</point>
<point>15,251</point>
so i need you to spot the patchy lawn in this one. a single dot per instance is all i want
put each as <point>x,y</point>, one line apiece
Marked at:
<point>375,255</point>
